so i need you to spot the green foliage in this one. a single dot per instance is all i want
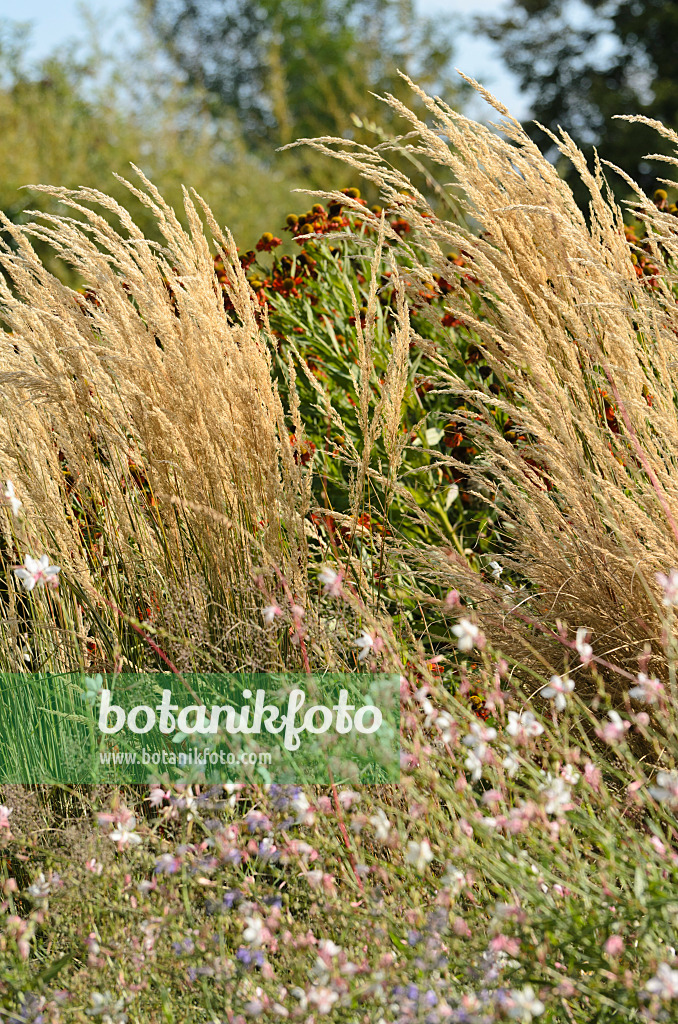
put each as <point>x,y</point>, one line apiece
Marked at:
<point>287,70</point>
<point>77,120</point>
<point>317,301</point>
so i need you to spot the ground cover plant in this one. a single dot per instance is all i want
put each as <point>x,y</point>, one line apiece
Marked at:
<point>199,474</point>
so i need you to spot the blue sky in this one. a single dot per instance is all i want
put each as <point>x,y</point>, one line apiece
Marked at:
<point>55,21</point>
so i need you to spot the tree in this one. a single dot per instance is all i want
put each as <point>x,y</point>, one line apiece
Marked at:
<point>74,120</point>
<point>299,68</point>
<point>584,63</point>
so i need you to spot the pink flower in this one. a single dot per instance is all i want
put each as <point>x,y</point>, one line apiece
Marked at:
<point>158,796</point>
<point>665,982</point>
<point>658,845</point>
<point>368,642</point>
<point>331,581</point>
<point>37,572</point>
<point>615,729</point>
<point>614,945</point>
<point>669,585</point>
<point>584,649</point>
<point>11,498</point>
<point>322,998</point>
<point>4,816</point>
<point>592,775</point>
<point>648,690</point>
<point>468,635</point>
<point>269,613</point>
<point>523,726</point>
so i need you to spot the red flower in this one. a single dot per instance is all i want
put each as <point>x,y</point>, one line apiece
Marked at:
<point>268,242</point>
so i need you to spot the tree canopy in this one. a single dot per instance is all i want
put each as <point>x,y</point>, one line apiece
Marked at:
<point>299,68</point>
<point>584,62</point>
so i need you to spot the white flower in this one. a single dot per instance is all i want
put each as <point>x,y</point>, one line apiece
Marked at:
<point>365,642</point>
<point>557,795</point>
<point>454,879</point>
<point>468,634</point>
<point>11,498</point>
<point>665,982</point>
<point>523,725</point>
<point>647,689</point>
<point>445,723</point>
<point>329,947</point>
<point>497,569</point>
<point>667,790</point>
<point>124,834</point>
<point>480,734</point>
<point>331,581</point>
<point>254,931</point>
<point>37,572</point>
<point>451,496</point>
<point>93,688</point>
<point>557,689</point>
<point>270,612</point>
<point>615,729</point>
<point>524,1004</point>
<point>41,888</point>
<point>105,1006</point>
<point>419,854</point>
<point>570,775</point>
<point>669,585</point>
<point>478,740</point>
<point>474,765</point>
<point>381,825</point>
<point>584,649</point>
<point>322,998</point>
<point>510,764</point>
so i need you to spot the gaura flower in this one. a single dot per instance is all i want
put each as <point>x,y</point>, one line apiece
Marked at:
<point>331,581</point>
<point>124,835</point>
<point>584,649</point>
<point>419,854</point>
<point>669,585</point>
<point>93,687</point>
<point>615,729</point>
<point>381,825</point>
<point>11,498</point>
<point>37,572</point>
<point>664,984</point>
<point>368,642</point>
<point>524,1004</point>
<point>523,725</point>
<point>557,689</point>
<point>667,790</point>
<point>269,613</point>
<point>468,635</point>
<point>648,690</point>
<point>322,998</point>
<point>255,931</point>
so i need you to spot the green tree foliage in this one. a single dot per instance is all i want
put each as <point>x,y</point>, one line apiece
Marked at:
<point>583,63</point>
<point>289,69</point>
<point>76,119</point>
